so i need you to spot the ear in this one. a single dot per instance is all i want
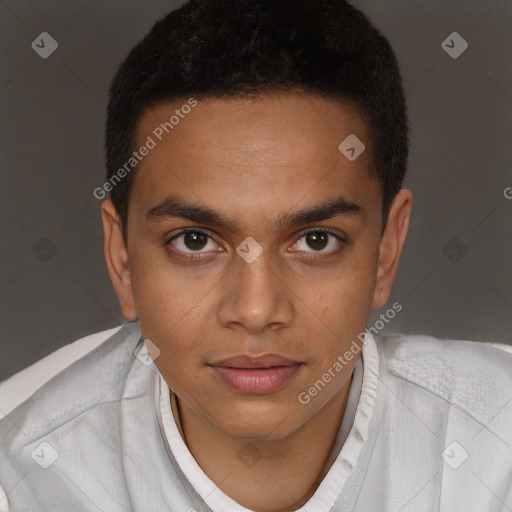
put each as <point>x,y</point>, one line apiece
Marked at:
<point>116,256</point>
<point>391,245</point>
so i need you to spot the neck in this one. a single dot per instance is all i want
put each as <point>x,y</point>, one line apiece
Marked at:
<point>275,475</point>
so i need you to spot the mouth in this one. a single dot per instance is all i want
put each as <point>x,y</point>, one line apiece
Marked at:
<point>256,375</point>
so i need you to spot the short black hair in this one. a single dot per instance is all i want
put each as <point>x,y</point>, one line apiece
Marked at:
<point>247,48</point>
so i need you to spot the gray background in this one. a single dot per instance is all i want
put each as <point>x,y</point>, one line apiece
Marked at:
<point>455,277</point>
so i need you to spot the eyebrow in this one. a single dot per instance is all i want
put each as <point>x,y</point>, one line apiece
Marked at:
<point>174,207</point>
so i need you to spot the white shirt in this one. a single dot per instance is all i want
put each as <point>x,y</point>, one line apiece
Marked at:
<point>428,426</point>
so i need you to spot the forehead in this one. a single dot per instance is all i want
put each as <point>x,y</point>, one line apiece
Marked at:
<point>253,155</point>
<point>279,122</point>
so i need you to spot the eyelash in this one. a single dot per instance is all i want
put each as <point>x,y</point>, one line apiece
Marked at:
<point>191,256</point>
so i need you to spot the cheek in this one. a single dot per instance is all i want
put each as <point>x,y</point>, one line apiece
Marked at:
<point>349,289</point>
<point>343,303</point>
<point>178,361</point>
<point>163,295</point>
<point>171,310</point>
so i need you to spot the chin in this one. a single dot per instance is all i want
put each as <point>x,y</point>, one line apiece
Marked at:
<point>259,422</point>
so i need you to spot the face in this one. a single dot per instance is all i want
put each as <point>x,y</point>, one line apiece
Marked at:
<point>251,234</point>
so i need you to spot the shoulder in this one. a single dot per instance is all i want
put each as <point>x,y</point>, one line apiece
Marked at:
<point>78,387</point>
<point>473,376</point>
<point>73,405</point>
<point>20,386</point>
<point>414,354</point>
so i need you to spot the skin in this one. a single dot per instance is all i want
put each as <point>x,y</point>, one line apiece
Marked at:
<point>253,161</point>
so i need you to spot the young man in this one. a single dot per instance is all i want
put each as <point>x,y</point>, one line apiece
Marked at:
<point>256,151</point>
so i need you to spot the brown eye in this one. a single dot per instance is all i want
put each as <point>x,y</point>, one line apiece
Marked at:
<point>318,240</point>
<point>195,240</point>
<point>191,241</point>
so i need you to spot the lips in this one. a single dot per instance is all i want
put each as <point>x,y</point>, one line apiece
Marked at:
<point>255,375</point>
<point>264,361</point>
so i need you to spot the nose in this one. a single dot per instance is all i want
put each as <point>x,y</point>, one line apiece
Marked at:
<point>255,296</point>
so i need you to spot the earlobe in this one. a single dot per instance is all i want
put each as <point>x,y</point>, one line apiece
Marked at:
<point>391,245</point>
<point>116,256</point>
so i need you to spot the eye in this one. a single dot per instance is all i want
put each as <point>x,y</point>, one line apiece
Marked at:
<point>319,240</point>
<point>196,243</point>
<point>192,241</point>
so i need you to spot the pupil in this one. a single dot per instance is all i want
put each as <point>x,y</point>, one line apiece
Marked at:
<point>195,240</point>
<point>317,238</point>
